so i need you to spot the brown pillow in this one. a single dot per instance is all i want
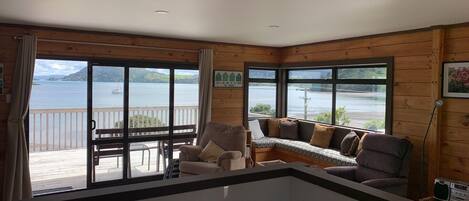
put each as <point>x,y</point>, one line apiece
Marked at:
<point>274,126</point>
<point>322,136</point>
<point>289,130</point>
<point>211,152</point>
<point>348,146</point>
<point>360,144</point>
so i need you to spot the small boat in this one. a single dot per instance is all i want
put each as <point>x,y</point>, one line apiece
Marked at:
<point>117,91</point>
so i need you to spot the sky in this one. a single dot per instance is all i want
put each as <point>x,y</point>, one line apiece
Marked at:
<point>46,67</point>
<point>57,67</point>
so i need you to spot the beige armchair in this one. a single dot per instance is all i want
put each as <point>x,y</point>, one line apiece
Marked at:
<point>230,138</point>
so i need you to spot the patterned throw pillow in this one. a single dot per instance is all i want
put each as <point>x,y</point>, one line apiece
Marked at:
<point>322,136</point>
<point>349,144</point>
<point>211,152</point>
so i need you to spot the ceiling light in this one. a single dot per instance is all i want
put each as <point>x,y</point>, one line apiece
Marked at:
<point>161,11</point>
<point>274,26</point>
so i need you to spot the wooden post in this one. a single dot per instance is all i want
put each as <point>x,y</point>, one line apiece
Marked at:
<point>435,134</point>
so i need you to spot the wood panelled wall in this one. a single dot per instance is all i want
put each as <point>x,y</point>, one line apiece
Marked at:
<point>415,83</point>
<point>227,104</point>
<point>416,60</point>
<point>412,99</point>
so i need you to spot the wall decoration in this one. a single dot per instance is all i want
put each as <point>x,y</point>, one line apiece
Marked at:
<point>228,79</point>
<point>456,80</point>
<point>2,80</point>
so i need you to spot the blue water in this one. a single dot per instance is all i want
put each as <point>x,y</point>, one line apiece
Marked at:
<point>73,94</point>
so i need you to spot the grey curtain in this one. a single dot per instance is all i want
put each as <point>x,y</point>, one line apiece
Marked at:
<point>17,181</point>
<point>205,89</point>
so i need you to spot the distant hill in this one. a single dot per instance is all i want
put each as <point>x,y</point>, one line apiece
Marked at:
<point>48,77</point>
<point>136,75</point>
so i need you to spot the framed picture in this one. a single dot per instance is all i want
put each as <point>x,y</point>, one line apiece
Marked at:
<point>228,79</point>
<point>456,80</point>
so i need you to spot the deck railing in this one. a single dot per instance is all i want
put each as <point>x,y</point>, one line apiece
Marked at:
<point>63,129</point>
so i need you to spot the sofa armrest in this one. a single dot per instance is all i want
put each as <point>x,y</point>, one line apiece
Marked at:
<point>189,153</point>
<point>385,183</point>
<point>231,160</point>
<point>346,172</point>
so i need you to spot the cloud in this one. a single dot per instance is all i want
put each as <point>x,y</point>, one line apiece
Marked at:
<point>57,67</point>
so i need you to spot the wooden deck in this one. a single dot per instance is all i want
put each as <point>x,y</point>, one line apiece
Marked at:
<point>66,169</point>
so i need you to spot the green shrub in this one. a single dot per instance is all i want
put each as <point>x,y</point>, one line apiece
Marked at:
<point>340,115</point>
<point>262,108</point>
<point>140,121</point>
<point>375,124</point>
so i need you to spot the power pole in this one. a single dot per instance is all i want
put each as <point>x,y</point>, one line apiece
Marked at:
<point>306,99</point>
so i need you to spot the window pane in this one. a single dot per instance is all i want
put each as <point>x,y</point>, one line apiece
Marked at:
<point>361,106</point>
<point>362,73</point>
<point>262,98</point>
<point>310,74</point>
<point>310,101</point>
<point>261,74</point>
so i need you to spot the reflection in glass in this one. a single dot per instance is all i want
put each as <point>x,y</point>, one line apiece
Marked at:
<point>362,73</point>
<point>310,101</point>
<point>361,106</point>
<point>261,74</point>
<point>310,74</point>
<point>262,99</point>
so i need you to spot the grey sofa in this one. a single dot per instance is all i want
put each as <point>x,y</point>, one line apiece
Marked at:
<point>302,147</point>
<point>231,138</point>
<point>383,163</point>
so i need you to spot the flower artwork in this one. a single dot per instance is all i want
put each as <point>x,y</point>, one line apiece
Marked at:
<point>456,80</point>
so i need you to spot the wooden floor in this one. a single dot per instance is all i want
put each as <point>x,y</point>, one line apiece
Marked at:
<point>66,170</point>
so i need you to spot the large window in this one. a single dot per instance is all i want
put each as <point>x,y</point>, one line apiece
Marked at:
<point>354,96</point>
<point>262,93</point>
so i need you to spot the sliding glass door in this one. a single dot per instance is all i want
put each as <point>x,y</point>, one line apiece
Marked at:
<point>132,131</point>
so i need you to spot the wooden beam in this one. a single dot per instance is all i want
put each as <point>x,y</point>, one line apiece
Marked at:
<point>434,139</point>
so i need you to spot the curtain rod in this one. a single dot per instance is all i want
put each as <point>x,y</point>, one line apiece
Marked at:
<point>111,45</point>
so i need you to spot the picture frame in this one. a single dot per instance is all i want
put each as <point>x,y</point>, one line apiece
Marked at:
<point>455,79</point>
<point>227,79</point>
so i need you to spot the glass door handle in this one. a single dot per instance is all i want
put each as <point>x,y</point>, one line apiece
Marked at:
<point>93,124</point>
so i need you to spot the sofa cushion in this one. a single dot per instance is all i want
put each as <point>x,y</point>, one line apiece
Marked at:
<point>198,167</point>
<point>211,152</point>
<point>256,131</point>
<point>338,136</point>
<point>349,144</point>
<point>274,126</point>
<point>388,144</point>
<point>379,161</point>
<point>305,149</point>
<point>265,142</point>
<point>322,136</point>
<point>360,143</point>
<point>305,130</point>
<point>289,130</point>
<point>364,173</point>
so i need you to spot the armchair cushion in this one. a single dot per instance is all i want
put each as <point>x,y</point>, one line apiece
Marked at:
<point>230,155</point>
<point>211,152</point>
<point>346,172</point>
<point>196,168</point>
<point>385,183</point>
<point>189,153</point>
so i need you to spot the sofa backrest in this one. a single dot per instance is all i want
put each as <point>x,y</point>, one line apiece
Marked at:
<point>383,154</point>
<point>230,138</point>
<point>306,129</point>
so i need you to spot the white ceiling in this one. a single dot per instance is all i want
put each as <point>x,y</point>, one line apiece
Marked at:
<point>239,21</point>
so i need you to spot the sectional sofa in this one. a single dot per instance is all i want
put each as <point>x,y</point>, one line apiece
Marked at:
<point>269,148</point>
